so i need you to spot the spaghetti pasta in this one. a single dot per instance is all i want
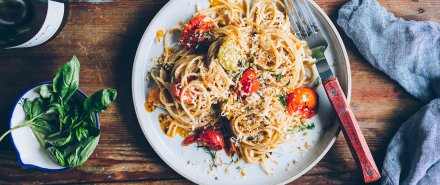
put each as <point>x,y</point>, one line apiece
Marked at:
<point>238,62</point>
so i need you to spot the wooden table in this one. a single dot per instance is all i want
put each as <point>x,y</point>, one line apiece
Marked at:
<point>105,37</point>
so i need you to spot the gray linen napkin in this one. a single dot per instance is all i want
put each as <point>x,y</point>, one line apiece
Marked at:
<point>408,52</point>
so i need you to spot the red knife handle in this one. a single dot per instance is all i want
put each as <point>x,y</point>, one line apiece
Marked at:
<point>352,132</point>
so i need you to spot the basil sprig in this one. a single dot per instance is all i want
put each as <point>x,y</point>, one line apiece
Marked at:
<point>64,124</point>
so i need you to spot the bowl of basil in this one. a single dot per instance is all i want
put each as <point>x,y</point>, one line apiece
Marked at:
<point>54,125</point>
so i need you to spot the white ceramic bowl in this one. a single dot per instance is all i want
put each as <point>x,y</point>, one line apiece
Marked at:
<point>30,152</point>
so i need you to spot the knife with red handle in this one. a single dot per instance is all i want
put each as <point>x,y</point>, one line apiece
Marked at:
<point>353,134</point>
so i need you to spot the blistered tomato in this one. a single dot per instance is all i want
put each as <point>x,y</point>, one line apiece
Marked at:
<point>196,31</point>
<point>303,100</point>
<point>208,137</point>
<point>249,83</point>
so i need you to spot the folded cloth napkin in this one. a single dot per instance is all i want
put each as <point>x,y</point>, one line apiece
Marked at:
<point>408,52</point>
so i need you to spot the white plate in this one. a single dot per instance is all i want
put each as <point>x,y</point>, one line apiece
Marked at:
<point>191,162</point>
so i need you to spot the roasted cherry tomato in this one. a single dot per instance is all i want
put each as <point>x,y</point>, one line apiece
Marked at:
<point>190,140</point>
<point>249,83</point>
<point>177,91</point>
<point>208,137</point>
<point>303,100</point>
<point>196,31</point>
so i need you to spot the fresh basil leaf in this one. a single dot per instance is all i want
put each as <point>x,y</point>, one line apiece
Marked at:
<point>99,101</point>
<point>82,152</point>
<point>27,107</point>
<point>57,155</point>
<point>81,133</point>
<point>57,107</point>
<point>60,140</point>
<point>45,92</point>
<point>66,81</point>
<point>43,127</point>
<point>94,131</point>
<point>37,107</point>
<point>93,121</point>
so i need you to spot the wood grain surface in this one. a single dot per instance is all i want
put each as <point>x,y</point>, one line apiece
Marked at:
<point>105,37</point>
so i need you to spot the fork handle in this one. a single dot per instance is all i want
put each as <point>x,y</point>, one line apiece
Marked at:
<point>353,134</point>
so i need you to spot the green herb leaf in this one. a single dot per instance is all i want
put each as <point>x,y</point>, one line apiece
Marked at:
<point>278,76</point>
<point>66,81</point>
<point>43,126</point>
<point>37,108</point>
<point>45,92</point>
<point>82,152</point>
<point>27,107</point>
<point>252,59</point>
<point>81,133</point>
<point>57,155</point>
<point>57,107</point>
<point>99,101</point>
<point>305,127</point>
<point>282,98</point>
<point>59,139</point>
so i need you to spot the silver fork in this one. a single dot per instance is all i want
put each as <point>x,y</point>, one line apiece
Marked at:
<point>305,27</point>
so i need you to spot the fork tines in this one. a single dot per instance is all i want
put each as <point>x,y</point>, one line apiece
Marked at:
<point>301,18</point>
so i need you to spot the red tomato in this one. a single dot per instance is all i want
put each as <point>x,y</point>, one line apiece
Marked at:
<point>190,140</point>
<point>303,100</point>
<point>212,139</point>
<point>177,91</point>
<point>208,137</point>
<point>249,82</point>
<point>196,31</point>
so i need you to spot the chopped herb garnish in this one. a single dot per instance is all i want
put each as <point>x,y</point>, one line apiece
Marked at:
<point>251,60</point>
<point>282,98</point>
<point>305,127</point>
<point>238,168</point>
<point>301,128</point>
<point>225,101</point>
<point>214,156</point>
<point>166,66</point>
<point>278,76</point>
<point>209,151</point>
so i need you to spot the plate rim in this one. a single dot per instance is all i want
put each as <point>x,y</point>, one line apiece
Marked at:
<point>300,173</point>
